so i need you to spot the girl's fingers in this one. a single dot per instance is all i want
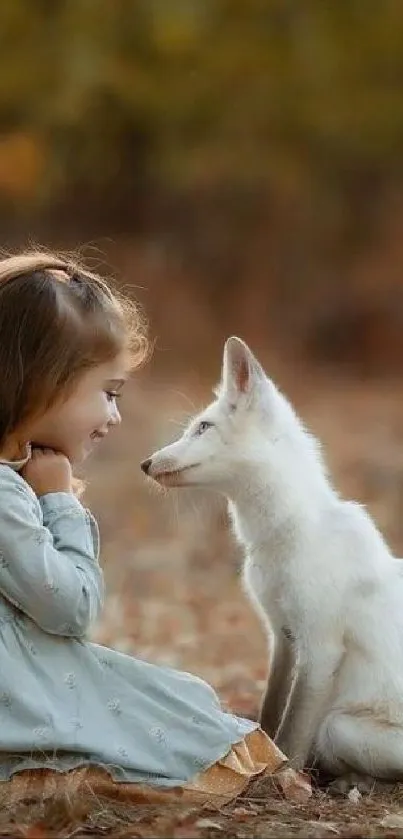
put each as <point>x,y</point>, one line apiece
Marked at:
<point>44,451</point>
<point>38,452</point>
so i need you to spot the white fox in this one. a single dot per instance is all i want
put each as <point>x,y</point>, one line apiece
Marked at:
<point>316,568</point>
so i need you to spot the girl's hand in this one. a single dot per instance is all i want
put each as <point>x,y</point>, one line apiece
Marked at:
<point>48,471</point>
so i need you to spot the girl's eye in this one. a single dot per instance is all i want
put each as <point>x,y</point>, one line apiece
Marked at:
<point>203,426</point>
<point>112,394</point>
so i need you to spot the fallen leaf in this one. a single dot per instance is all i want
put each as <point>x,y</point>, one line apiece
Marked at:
<point>241,814</point>
<point>208,823</point>
<point>36,831</point>
<point>183,832</point>
<point>295,786</point>
<point>319,827</point>
<point>394,821</point>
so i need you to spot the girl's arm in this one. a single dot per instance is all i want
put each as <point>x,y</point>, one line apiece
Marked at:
<point>49,570</point>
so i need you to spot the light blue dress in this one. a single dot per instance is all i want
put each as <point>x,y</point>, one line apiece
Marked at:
<point>66,702</point>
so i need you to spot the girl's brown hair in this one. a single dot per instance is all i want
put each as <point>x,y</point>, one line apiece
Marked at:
<point>57,319</point>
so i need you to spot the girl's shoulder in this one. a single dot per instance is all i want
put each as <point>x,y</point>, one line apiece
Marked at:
<point>14,488</point>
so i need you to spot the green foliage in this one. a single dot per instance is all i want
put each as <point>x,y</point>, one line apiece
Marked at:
<point>202,92</point>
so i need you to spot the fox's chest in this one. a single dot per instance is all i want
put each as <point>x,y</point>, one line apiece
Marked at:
<point>273,588</point>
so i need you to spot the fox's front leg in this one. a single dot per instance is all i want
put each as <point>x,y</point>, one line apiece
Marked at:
<point>310,695</point>
<point>279,683</point>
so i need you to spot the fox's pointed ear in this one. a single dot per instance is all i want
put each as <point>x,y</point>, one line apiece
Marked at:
<point>240,370</point>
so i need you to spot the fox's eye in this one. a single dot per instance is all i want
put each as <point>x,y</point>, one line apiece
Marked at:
<point>203,426</point>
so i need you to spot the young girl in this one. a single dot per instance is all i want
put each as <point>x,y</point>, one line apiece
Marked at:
<point>67,343</point>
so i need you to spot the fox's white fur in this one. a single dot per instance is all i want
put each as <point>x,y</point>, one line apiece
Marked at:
<point>318,571</point>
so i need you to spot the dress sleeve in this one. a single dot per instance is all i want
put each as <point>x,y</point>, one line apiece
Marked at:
<point>49,560</point>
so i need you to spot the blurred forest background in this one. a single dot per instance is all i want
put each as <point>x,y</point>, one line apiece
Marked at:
<point>238,166</point>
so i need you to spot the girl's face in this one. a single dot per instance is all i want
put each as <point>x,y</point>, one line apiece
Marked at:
<point>75,426</point>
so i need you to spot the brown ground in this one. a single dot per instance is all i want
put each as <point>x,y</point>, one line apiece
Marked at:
<point>175,595</point>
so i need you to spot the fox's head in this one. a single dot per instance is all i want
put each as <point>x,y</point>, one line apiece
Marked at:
<point>249,427</point>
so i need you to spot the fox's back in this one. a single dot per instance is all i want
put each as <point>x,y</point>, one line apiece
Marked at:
<point>341,572</point>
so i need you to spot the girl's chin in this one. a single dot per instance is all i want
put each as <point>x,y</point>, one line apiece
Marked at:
<point>86,450</point>
<point>78,454</point>
<point>79,457</point>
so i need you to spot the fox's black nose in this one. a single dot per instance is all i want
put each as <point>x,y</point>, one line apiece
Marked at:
<point>145,465</point>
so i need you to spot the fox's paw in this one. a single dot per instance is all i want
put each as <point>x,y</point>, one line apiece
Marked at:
<point>346,784</point>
